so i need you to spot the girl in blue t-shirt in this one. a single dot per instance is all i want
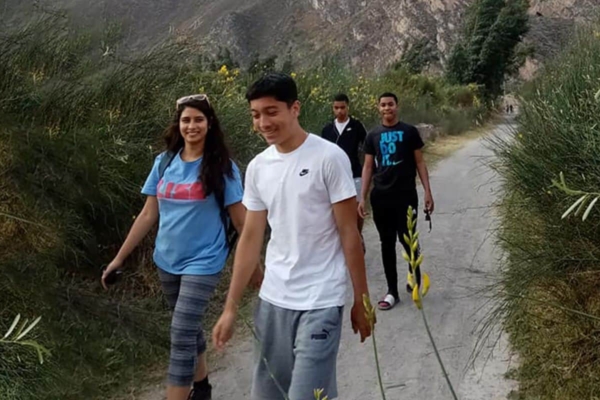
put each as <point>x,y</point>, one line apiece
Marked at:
<point>192,191</point>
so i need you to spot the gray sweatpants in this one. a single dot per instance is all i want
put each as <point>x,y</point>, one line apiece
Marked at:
<point>296,352</point>
<point>188,296</point>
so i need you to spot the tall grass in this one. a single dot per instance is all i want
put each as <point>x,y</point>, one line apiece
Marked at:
<point>550,283</point>
<point>80,122</point>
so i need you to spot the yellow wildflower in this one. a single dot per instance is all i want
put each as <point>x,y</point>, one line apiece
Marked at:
<point>293,75</point>
<point>318,393</point>
<point>37,76</point>
<point>53,130</point>
<point>224,71</point>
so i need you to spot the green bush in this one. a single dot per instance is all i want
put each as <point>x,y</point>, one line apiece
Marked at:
<point>550,282</point>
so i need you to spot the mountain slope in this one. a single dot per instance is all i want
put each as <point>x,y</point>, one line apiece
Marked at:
<point>369,34</point>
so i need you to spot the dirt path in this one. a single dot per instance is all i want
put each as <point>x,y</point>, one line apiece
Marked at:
<point>459,257</point>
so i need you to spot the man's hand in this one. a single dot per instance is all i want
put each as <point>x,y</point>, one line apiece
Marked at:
<point>424,177</point>
<point>360,323</point>
<point>223,330</point>
<point>429,204</point>
<point>361,209</point>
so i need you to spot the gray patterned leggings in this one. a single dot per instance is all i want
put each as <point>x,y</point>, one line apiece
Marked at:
<point>188,296</point>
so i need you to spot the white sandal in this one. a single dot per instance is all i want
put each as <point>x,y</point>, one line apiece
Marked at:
<point>387,303</point>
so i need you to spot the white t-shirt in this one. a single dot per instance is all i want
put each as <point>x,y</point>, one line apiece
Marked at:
<point>341,125</point>
<point>305,263</point>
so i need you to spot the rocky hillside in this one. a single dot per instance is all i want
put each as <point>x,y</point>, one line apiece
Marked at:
<point>369,34</point>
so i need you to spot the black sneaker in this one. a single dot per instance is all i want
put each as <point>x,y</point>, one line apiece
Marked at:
<point>204,393</point>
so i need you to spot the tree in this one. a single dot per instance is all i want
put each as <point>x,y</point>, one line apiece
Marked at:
<point>417,57</point>
<point>485,51</point>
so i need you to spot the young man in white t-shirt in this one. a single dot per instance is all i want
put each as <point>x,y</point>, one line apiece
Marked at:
<point>302,186</point>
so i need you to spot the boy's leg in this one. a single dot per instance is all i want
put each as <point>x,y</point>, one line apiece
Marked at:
<point>385,216</point>
<point>316,349</point>
<point>275,329</point>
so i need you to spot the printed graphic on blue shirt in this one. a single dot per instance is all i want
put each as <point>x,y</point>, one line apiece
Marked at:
<point>191,238</point>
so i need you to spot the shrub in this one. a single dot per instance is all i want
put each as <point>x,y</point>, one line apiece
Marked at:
<point>551,278</point>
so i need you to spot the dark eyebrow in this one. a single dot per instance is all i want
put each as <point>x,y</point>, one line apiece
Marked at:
<point>270,108</point>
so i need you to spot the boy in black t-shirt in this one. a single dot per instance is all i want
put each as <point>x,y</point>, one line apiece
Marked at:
<point>393,157</point>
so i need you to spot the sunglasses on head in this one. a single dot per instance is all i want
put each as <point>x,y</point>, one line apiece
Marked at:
<point>192,97</point>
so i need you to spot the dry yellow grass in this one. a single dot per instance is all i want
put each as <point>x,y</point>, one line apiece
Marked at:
<point>22,229</point>
<point>445,145</point>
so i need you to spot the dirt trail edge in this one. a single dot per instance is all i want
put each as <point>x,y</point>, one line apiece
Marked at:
<point>461,259</point>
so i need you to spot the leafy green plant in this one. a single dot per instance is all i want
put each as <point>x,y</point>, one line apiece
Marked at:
<point>586,201</point>
<point>16,335</point>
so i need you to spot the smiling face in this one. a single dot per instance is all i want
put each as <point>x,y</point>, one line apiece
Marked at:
<point>193,126</point>
<point>388,109</point>
<point>274,120</point>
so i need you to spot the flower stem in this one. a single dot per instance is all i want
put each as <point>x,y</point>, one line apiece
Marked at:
<point>377,365</point>
<point>437,354</point>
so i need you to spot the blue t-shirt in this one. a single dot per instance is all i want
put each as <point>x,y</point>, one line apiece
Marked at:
<point>191,238</point>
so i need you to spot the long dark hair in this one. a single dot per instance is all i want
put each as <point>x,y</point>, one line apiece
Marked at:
<point>216,162</point>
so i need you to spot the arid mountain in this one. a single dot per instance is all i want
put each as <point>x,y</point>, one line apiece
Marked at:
<point>369,34</point>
